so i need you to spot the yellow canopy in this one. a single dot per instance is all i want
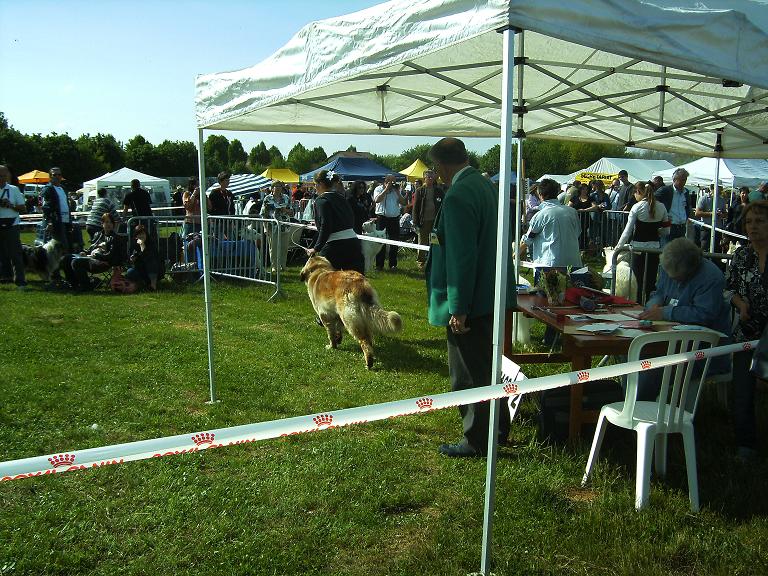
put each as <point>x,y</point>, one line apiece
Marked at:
<point>415,171</point>
<point>281,174</point>
<point>35,177</point>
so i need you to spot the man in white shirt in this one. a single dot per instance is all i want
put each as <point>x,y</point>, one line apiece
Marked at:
<point>388,202</point>
<point>56,210</point>
<point>11,205</point>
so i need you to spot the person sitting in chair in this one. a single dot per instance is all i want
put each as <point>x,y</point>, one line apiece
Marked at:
<point>690,291</point>
<point>106,250</point>
<point>145,263</point>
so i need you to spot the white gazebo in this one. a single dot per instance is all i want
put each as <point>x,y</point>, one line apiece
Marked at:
<point>694,80</point>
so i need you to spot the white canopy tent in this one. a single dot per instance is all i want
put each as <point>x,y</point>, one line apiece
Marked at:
<point>160,188</point>
<point>695,80</point>
<point>637,168</point>
<point>733,173</point>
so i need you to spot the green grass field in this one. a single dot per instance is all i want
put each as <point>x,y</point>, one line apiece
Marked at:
<point>373,499</point>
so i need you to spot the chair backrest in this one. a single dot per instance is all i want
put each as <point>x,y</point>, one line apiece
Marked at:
<point>676,379</point>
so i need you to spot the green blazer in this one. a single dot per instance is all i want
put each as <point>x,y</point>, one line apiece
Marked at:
<point>461,268</point>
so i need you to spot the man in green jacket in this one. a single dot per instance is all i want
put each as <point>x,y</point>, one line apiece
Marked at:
<point>460,285</point>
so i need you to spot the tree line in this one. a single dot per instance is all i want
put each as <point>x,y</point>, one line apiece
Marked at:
<point>89,156</point>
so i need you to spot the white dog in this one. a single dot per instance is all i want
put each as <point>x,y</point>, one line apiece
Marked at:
<point>626,283</point>
<point>370,249</point>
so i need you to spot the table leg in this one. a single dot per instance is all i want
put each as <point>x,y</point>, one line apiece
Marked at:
<point>575,420</point>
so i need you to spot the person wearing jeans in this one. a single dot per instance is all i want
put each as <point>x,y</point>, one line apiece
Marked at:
<point>388,203</point>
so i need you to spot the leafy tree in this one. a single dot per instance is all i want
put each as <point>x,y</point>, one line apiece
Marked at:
<point>176,158</point>
<point>408,157</point>
<point>491,161</point>
<point>237,157</point>
<point>216,149</point>
<point>299,159</point>
<point>18,151</point>
<point>91,164</point>
<point>276,159</point>
<point>61,150</point>
<point>141,155</point>
<point>318,157</point>
<point>108,150</point>
<point>259,158</point>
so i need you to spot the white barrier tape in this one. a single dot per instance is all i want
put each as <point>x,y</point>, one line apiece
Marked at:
<point>720,230</point>
<point>186,443</point>
<point>387,241</point>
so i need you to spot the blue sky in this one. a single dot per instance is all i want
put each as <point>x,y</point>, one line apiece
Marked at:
<point>128,67</point>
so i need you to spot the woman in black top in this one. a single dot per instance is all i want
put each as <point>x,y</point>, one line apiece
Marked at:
<point>336,238</point>
<point>360,202</point>
<point>583,205</point>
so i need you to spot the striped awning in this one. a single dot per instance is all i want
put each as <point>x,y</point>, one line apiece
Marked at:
<point>240,184</point>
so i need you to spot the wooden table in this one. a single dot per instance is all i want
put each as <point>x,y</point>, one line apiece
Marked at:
<point>578,349</point>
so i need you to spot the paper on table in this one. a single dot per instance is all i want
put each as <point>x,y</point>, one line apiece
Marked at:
<point>579,317</point>
<point>610,317</point>
<point>601,328</point>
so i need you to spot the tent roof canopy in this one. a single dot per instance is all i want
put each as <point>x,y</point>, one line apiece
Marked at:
<point>281,174</point>
<point>696,77</point>
<point>123,177</point>
<point>354,168</point>
<point>733,172</point>
<point>415,170</point>
<point>637,168</point>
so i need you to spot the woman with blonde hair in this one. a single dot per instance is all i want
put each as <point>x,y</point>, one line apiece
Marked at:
<point>646,224</point>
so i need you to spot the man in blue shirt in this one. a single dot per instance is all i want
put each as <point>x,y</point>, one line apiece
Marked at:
<point>553,234</point>
<point>675,200</point>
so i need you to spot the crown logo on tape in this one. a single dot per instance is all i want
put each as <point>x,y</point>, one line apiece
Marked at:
<point>424,403</point>
<point>323,420</point>
<point>60,460</point>
<point>510,388</point>
<point>203,438</point>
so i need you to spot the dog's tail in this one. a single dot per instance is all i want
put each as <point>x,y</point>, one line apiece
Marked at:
<point>383,321</point>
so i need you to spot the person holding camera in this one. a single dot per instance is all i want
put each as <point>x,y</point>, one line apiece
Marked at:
<point>11,205</point>
<point>388,202</point>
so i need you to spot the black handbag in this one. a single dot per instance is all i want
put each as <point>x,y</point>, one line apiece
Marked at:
<point>760,359</point>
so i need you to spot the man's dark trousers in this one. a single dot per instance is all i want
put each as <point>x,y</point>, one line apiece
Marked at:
<point>392,226</point>
<point>470,359</point>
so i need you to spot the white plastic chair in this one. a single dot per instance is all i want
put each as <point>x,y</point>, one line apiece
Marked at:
<point>653,421</point>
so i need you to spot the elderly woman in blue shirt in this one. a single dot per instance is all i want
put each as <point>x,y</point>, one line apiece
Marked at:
<point>690,290</point>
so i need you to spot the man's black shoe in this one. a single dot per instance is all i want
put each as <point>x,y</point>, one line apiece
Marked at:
<point>459,450</point>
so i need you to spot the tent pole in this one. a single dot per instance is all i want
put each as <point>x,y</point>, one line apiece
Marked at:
<point>713,222</point>
<point>206,263</point>
<point>500,292</point>
<point>662,95</point>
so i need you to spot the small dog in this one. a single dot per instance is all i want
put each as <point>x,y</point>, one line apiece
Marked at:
<point>370,249</point>
<point>346,299</point>
<point>43,260</point>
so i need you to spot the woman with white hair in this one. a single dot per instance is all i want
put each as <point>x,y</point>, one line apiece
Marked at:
<point>690,291</point>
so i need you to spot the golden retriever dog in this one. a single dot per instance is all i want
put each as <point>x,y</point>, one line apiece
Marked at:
<point>346,298</point>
